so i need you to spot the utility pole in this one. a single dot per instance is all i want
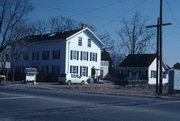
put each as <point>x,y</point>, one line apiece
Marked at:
<point>159,62</point>
<point>157,59</point>
<point>160,41</point>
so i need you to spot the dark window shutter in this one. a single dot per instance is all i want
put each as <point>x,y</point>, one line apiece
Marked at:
<point>77,69</point>
<point>52,69</point>
<point>90,56</point>
<point>58,69</point>
<point>48,55</point>
<point>77,55</point>
<point>81,55</point>
<point>71,55</point>
<point>32,56</point>
<point>80,70</point>
<point>96,57</point>
<point>59,54</point>
<point>37,55</point>
<point>86,71</point>
<point>47,69</point>
<point>53,54</point>
<point>87,56</point>
<point>70,69</point>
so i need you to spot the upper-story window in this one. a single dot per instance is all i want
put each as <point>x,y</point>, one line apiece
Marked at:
<point>89,42</point>
<point>45,55</point>
<point>56,54</point>
<point>80,41</point>
<point>84,55</point>
<point>93,57</point>
<point>74,55</point>
<point>35,55</point>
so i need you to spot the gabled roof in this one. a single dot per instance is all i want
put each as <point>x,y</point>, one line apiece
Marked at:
<point>60,35</point>
<point>138,60</point>
<point>51,36</point>
<point>88,30</point>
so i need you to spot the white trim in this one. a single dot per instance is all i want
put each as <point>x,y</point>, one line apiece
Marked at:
<point>97,38</point>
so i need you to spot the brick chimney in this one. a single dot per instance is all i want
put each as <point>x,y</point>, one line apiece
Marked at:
<point>84,26</point>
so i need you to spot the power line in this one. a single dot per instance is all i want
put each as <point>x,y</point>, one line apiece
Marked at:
<point>172,14</point>
<point>94,16</point>
<point>105,6</point>
<point>76,13</point>
<point>101,7</point>
<point>125,13</point>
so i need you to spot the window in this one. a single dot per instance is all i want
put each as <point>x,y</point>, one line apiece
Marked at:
<point>93,57</point>
<point>80,41</point>
<point>45,55</point>
<point>74,69</point>
<point>56,54</point>
<point>104,63</point>
<point>153,74</point>
<point>89,42</point>
<point>74,55</point>
<point>164,75</point>
<point>55,69</point>
<point>35,55</point>
<point>84,55</point>
<point>84,71</point>
<point>45,69</point>
<point>26,56</point>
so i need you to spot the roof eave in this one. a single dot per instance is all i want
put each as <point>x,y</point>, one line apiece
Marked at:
<point>90,32</point>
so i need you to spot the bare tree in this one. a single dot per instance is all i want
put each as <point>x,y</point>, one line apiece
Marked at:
<point>108,42</point>
<point>11,13</point>
<point>38,27</point>
<point>134,36</point>
<point>61,24</point>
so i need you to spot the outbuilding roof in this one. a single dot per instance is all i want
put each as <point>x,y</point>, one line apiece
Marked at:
<point>138,60</point>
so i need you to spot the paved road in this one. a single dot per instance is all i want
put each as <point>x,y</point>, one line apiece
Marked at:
<point>48,105</point>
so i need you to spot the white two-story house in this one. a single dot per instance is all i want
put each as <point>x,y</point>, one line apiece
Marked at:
<point>75,51</point>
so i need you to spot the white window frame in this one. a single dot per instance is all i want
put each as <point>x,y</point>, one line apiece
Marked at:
<point>89,42</point>
<point>93,57</point>
<point>74,69</point>
<point>153,74</point>
<point>84,55</point>
<point>75,55</point>
<point>84,71</point>
<point>79,41</point>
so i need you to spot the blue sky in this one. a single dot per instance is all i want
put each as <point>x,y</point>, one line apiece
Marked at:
<point>106,14</point>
